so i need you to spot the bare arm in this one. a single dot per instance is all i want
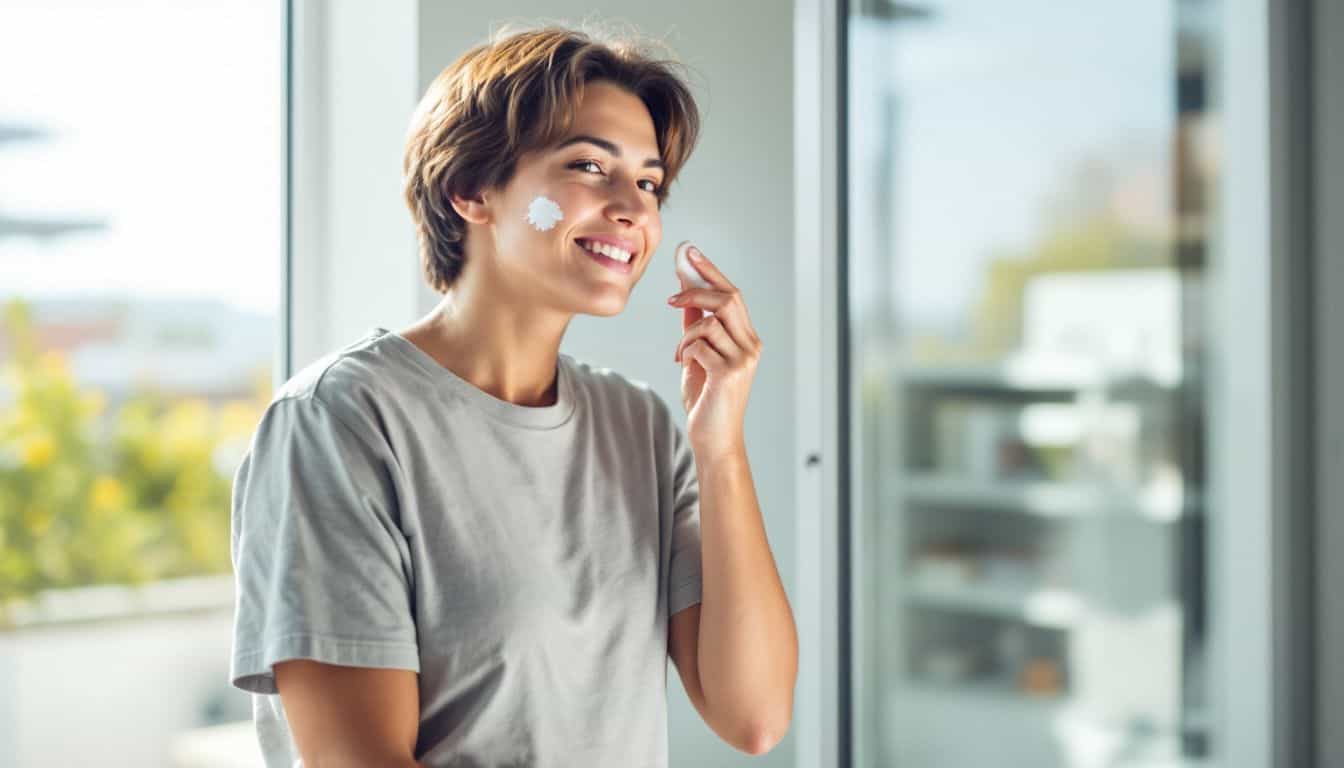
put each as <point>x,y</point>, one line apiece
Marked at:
<point>744,658</point>
<point>348,717</point>
<point>737,652</point>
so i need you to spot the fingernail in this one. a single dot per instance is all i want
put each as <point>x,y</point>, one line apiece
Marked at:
<point>674,298</point>
<point>694,253</point>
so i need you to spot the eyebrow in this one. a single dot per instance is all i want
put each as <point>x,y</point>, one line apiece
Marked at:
<point>610,147</point>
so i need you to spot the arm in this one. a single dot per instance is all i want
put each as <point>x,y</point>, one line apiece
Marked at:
<point>748,645</point>
<point>348,717</point>
<point>737,651</point>
<point>744,658</point>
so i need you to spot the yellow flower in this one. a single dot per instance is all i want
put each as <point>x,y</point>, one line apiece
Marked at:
<point>107,493</point>
<point>38,451</point>
<point>186,424</point>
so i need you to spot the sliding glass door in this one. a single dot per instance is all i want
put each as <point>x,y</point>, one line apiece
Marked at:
<point>1029,195</point>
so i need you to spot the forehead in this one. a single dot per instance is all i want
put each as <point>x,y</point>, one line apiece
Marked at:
<point>611,112</point>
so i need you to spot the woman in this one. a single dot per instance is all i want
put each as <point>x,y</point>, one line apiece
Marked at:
<point>455,545</point>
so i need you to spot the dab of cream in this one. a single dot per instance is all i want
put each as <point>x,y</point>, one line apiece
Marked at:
<point>543,213</point>
<point>686,269</point>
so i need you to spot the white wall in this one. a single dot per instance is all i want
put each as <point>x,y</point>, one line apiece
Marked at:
<point>355,253</point>
<point>355,83</point>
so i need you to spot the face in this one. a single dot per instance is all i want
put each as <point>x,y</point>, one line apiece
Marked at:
<point>598,183</point>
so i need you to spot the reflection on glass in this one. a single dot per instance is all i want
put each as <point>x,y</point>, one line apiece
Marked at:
<point>1026,232</point>
<point>140,264</point>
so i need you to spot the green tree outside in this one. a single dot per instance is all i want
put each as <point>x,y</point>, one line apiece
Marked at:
<point>89,497</point>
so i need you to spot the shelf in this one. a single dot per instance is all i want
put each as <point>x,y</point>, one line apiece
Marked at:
<point>1024,376</point>
<point>1043,498</point>
<point>1047,608</point>
<point>1011,727</point>
<point>982,692</point>
<point>998,377</point>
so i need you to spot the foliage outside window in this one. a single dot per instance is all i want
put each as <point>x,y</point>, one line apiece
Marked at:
<point>92,496</point>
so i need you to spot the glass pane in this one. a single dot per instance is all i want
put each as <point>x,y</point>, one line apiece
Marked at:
<point>141,245</point>
<point>1027,187</point>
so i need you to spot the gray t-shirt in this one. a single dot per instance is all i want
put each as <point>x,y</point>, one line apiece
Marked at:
<point>524,561</point>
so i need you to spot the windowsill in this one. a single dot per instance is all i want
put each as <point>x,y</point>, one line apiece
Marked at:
<point>229,745</point>
<point>110,602</point>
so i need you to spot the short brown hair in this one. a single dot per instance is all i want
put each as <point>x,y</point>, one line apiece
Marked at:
<point>518,93</point>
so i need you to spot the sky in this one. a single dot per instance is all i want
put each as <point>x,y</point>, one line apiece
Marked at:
<point>166,120</point>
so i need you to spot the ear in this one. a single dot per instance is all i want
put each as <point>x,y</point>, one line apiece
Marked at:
<point>474,210</point>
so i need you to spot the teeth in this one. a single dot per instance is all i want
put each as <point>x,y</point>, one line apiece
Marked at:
<point>610,251</point>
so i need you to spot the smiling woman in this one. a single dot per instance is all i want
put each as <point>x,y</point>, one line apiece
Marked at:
<point>469,133</point>
<point>492,549</point>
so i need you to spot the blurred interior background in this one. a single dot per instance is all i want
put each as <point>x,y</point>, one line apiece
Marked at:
<point>1047,437</point>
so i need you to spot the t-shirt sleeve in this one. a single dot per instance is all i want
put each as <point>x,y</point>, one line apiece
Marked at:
<point>320,564</point>
<point>684,584</point>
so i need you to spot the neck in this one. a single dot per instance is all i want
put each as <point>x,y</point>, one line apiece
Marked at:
<point>503,344</point>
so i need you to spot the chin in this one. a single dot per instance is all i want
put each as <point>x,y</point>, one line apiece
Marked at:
<point>607,309</point>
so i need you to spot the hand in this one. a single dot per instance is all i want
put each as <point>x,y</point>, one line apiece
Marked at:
<point>718,355</point>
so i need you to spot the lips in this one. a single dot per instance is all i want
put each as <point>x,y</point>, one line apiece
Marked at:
<point>622,267</point>
<point>607,243</point>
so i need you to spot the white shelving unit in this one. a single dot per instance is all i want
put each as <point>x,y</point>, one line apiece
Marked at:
<point>1035,519</point>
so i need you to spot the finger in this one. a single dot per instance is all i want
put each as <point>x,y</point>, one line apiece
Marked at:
<point>694,331</point>
<point>707,269</point>
<point>711,330</point>
<point>709,359</point>
<point>711,299</point>
<point>728,307</point>
<point>690,316</point>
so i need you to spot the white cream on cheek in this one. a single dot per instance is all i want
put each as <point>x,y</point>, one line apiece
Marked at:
<point>543,213</point>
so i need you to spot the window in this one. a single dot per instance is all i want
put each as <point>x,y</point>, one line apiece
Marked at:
<point>1031,190</point>
<point>141,252</point>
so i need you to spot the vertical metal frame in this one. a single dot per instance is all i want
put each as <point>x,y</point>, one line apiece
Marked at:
<point>305,184</point>
<point>1292,339</point>
<point>282,363</point>
<point>1327,278</point>
<point>823,699</point>
<point>1239,387</point>
<point>1260,385</point>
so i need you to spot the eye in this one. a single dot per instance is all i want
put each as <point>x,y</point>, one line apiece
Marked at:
<point>653,187</point>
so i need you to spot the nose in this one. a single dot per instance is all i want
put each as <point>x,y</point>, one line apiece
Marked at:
<point>629,206</point>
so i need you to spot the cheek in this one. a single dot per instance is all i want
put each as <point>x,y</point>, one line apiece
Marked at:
<point>654,229</point>
<point>544,213</point>
<point>551,210</point>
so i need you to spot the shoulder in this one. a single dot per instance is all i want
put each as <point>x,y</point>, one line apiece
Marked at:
<point>352,383</point>
<point>332,413</point>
